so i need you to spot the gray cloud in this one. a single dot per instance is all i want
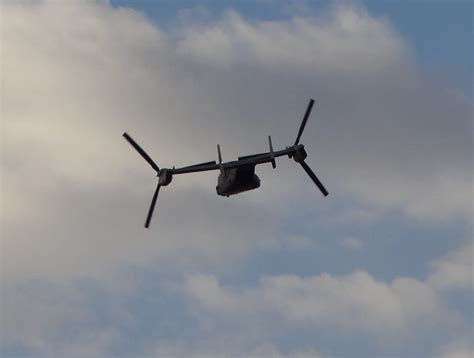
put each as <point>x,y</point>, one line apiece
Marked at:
<point>76,76</point>
<point>351,303</point>
<point>454,272</point>
<point>459,348</point>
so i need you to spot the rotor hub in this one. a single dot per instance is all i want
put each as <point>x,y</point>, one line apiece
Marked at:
<point>165,177</point>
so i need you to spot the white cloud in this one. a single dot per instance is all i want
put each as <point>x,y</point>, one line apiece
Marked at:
<point>354,302</point>
<point>391,137</point>
<point>403,312</point>
<point>76,75</point>
<point>454,271</point>
<point>207,290</point>
<point>306,44</point>
<point>225,319</point>
<point>459,348</point>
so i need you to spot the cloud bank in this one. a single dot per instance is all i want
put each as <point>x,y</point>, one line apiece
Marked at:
<point>75,76</point>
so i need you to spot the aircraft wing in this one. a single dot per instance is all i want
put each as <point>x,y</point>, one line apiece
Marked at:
<point>266,154</point>
<point>196,168</point>
<point>245,161</point>
<point>214,166</point>
<point>248,161</point>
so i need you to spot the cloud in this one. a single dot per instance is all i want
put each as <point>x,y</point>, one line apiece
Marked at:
<point>38,318</point>
<point>454,271</point>
<point>395,139</point>
<point>460,348</point>
<point>308,44</point>
<point>202,315</point>
<point>74,194</point>
<point>404,315</point>
<point>76,76</point>
<point>265,350</point>
<point>352,243</point>
<point>207,290</point>
<point>354,302</point>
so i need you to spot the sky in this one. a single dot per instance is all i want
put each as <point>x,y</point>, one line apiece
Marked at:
<point>380,267</point>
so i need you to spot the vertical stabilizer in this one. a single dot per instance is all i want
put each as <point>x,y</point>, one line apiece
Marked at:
<point>219,155</point>
<point>272,155</point>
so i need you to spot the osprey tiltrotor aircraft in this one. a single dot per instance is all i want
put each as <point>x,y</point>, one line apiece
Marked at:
<point>236,176</point>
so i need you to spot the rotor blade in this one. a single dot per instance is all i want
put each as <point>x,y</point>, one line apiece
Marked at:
<point>152,206</point>
<point>315,178</point>
<point>305,119</point>
<point>141,151</point>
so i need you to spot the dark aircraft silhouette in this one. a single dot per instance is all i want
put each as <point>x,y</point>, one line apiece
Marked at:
<point>236,176</point>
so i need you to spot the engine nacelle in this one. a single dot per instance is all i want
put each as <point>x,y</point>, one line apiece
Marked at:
<point>299,154</point>
<point>165,177</point>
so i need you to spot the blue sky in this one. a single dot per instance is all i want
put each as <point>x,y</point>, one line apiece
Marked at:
<point>381,267</point>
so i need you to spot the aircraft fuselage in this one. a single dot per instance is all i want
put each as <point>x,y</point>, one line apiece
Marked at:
<point>237,180</point>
